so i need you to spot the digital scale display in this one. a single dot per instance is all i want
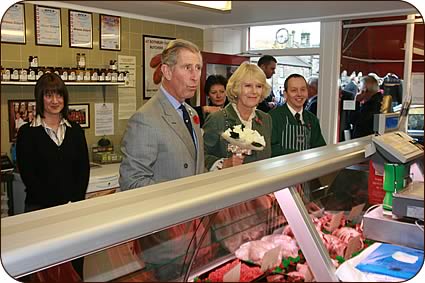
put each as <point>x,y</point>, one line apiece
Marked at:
<point>391,122</point>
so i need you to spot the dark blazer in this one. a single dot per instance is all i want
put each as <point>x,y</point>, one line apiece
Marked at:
<point>362,117</point>
<point>53,175</point>
<point>216,123</point>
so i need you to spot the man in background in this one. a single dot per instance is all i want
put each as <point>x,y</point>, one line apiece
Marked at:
<point>311,104</point>
<point>368,103</point>
<point>268,63</point>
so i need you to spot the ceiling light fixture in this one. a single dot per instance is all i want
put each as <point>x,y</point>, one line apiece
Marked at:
<point>224,6</point>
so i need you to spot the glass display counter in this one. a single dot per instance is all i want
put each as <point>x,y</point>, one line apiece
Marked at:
<point>179,230</point>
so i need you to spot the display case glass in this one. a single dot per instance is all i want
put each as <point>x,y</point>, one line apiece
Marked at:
<point>183,230</point>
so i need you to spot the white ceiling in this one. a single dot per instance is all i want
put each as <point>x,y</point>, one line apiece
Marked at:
<point>243,12</point>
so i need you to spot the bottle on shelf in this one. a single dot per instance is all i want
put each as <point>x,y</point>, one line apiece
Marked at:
<point>78,59</point>
<point>83,61</point>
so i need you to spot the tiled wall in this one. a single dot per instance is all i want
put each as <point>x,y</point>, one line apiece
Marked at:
<point>132,30</point>
<point>223,40</point>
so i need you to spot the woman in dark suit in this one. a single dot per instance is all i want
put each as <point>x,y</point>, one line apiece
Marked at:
<point>52,154</point>
<point>215,89</point>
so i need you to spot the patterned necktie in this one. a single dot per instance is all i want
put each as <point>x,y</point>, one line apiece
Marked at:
<point>186,119</point>
<point>298,118</point>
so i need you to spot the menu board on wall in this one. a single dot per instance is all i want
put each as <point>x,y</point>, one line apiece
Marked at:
<point>13,25</point>
<point>110,32</point>
<point>80,29</point>
<point>48,30</point>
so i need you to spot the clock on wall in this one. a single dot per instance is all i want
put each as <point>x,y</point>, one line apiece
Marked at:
<point>282,36</point>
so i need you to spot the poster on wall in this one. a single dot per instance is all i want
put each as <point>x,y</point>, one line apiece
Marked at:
<point>13,25</point>
<point>48,29</point>
<point>110,32</point>
<point>152,49</point>
<point>20,113</point>
<point>80,114</point>
<point>103,119</point>
<point>80,29</point>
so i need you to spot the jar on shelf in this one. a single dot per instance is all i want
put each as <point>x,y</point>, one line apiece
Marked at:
<point>114,76</point>
<point>80,74</point>
<point>57,70</point>
<point>108,76</point>
<point>23,75</point>
<point>95,75</point>
<point>32,74</point>
<point>82,62</point>
<point>64,74</point>
<point>49,70</point>
<point>14,75</point>
<point>87,74</point>
<point>5,74</point>
<point>121,76</point>
<point>39,73</point>
<point>102,74</point>
<point>72,75</point>
<point>77,57</point>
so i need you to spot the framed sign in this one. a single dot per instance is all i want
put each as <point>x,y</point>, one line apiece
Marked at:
<point>80,114</point>
<point>13,25</point>
<point>152,49</point>
<point>48,29</point>
<point>80,29</point>
<point>20,112</point>
<point>110,32</point>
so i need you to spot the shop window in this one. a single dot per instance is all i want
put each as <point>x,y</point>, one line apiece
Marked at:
<point>299,35</point>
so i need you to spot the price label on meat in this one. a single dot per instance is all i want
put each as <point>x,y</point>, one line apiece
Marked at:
<point>335,221</point>
<point>271,258</point>
<point>355,212</point>
<point>233,275</point>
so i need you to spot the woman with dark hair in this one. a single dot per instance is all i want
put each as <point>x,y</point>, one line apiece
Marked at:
<point>215,89</point>
<point>52,154</point>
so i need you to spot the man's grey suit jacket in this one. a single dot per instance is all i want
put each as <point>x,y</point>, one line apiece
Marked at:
<point>157,146</point>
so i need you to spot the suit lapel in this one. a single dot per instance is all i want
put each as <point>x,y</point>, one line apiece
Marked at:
<point>176,123</point>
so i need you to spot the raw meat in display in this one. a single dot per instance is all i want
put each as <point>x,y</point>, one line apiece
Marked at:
<point>289,246</point>
<point>346,234</point>
<point>334,245</point>
<point>295,276</point>
<point>305,271</point>
<point>247,273</point>
<point>254,251</point>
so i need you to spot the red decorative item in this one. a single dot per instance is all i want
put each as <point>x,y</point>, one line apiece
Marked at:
<point>196,119</point>
<point>258,121</point>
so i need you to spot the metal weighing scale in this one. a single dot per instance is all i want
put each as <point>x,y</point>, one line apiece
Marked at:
<point>409,203</point>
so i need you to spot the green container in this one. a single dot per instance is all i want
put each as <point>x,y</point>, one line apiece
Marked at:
<point>394,176</point>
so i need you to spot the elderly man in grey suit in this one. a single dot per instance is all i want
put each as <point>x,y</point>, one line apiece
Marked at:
<point>163,142</point>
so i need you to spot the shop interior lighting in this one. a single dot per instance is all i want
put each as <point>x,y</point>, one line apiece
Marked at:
<point>224,6</point>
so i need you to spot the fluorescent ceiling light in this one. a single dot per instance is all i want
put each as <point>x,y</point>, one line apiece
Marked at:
<point>217,5</point>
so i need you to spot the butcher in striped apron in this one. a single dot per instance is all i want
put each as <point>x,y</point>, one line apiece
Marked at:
<point>294,128</point>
